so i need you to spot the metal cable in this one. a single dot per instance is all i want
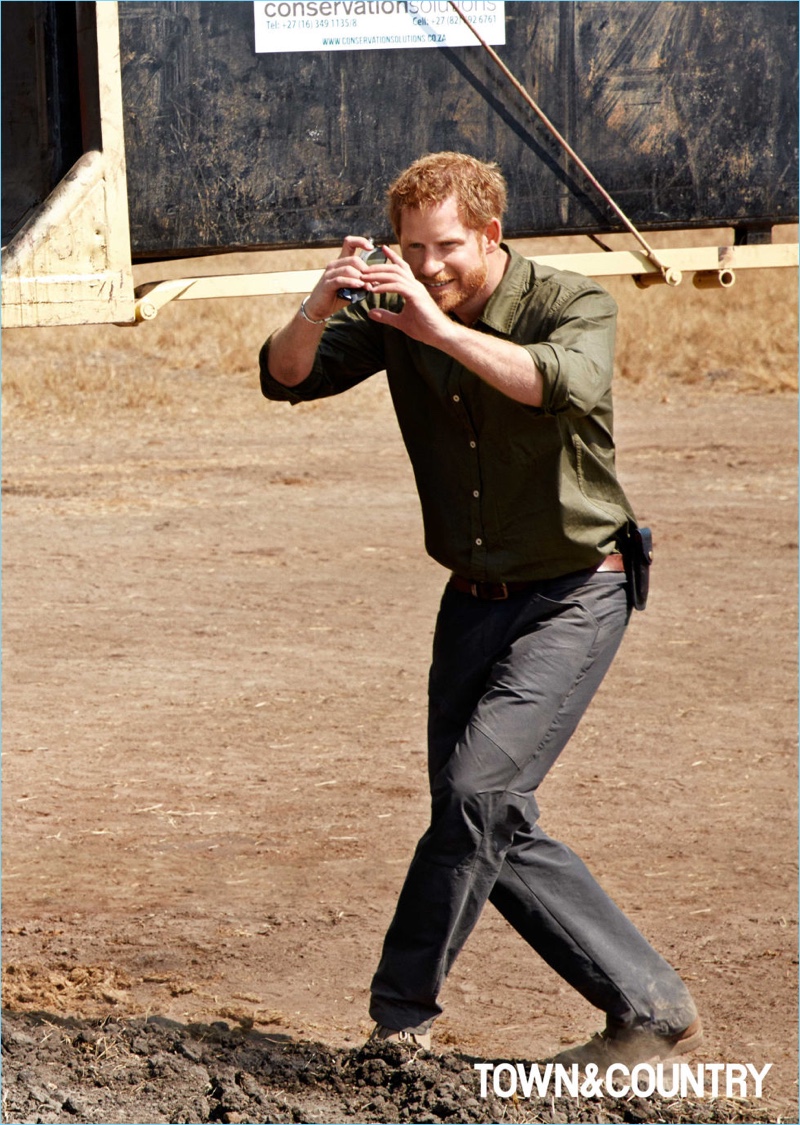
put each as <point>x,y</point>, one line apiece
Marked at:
<point>670,275</point>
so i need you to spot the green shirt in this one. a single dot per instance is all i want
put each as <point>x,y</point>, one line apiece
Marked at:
<point>508,492</point>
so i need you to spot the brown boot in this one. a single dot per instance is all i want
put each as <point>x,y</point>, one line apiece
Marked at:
<point>632,1047</point>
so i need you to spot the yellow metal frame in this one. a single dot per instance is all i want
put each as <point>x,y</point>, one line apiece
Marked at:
<point>71,262</point>
<point>713,266</point>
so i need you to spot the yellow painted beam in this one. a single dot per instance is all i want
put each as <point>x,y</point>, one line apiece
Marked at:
<point>708,261</point>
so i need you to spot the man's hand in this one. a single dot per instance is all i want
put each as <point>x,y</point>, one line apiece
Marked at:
<point>346,272</point>
<point>293,347</point>
<point>420,318</point>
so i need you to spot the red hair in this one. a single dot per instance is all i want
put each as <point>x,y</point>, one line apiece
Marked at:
<point>478,187</point>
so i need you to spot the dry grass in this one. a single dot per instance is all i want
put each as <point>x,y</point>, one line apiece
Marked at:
<point>744,338</point>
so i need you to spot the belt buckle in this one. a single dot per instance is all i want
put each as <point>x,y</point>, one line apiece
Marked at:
<point>477,588</point>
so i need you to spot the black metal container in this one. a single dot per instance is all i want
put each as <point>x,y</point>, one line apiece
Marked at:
<point>686,112</point>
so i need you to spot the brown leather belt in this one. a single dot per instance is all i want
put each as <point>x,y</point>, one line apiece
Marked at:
<point>499,591</point>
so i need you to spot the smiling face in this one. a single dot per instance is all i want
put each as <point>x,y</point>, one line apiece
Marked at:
<point>459,267</point>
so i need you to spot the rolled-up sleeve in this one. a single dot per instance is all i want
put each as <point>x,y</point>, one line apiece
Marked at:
<point>576,359</point>
<point>350,350</point>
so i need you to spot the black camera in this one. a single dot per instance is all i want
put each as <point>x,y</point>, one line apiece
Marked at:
<point>372,258</point>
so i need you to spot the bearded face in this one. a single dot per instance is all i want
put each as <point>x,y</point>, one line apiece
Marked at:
<point>456,286</point>
<point>448,258</point>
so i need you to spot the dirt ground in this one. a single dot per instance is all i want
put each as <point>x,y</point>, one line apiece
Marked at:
<point>217,619</point>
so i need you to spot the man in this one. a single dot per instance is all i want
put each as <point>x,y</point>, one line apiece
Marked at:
<point>500,374</point>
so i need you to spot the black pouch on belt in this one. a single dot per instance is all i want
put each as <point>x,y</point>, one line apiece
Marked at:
<point>638,555</point>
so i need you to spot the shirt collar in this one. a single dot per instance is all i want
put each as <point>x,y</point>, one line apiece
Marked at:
<point>500,312</point>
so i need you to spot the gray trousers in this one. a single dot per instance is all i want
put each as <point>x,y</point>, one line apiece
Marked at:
<point>509,683</point>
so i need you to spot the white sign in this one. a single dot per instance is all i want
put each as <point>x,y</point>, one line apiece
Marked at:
<point>364,25</point>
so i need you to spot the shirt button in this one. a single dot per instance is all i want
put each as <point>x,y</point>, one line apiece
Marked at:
<point>478,542</point>
<point>476,494</point>
<point>456,398</point>
<point>473,445</point>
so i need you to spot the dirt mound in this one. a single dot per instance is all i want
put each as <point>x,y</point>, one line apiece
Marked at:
<point>156,1070</point>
